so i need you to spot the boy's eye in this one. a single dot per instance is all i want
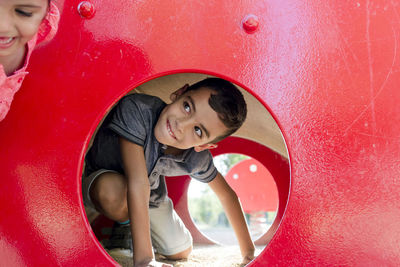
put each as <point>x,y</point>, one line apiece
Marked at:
<point>186,106</point>
<point>198,131</point>
<point>23,13</point>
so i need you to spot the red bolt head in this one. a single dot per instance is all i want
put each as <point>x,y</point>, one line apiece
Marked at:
<point>86,9</point>
<point>250,23</point>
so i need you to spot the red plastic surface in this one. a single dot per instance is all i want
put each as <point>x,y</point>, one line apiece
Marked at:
<point>329,72</point>
<point>254,185</point>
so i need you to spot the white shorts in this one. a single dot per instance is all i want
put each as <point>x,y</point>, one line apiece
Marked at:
<point>169,235</point>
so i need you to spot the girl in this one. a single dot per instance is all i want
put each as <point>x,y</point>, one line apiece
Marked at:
<point>23,24</point>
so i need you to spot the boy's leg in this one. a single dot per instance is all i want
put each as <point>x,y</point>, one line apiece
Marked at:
<point>169,235</point>
<point>106,191</point>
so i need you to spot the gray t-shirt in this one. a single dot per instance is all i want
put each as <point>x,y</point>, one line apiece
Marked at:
<point>134,118</point>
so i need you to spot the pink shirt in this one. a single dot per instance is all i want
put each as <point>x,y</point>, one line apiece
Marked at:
<point>11,84</point>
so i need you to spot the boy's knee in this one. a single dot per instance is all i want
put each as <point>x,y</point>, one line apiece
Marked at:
<point>180,255</point>
<point>108,194</point>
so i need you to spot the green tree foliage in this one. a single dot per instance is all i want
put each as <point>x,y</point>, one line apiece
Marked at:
<point>225,162</point>
<point>205,208</point>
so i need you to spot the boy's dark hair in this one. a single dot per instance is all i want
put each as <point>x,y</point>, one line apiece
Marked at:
<point>227,101</point>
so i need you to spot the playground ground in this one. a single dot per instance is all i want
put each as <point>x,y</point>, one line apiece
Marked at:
<point>202,256</point>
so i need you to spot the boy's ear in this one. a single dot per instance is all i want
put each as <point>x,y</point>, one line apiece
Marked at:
<point>175,95</point>
<point>200,148</point>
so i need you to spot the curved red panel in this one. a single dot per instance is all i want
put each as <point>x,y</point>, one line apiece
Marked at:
<point>277,166</point>
<point>328,71</point>
<point>254,185</point>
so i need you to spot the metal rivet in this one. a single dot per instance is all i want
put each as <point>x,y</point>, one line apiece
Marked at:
<point>250,23</point>
<point>86,9</point>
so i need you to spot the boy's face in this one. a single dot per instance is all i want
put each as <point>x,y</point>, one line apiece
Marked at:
<point>189,121</point>
<point>19,22</point>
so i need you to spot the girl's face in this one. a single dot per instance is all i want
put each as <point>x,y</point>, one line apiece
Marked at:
<point>19,22</point>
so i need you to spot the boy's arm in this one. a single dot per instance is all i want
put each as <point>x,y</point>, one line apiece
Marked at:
<point>138,196</point>
<point>233,209</point>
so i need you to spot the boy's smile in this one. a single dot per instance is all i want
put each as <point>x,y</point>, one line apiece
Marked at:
<point>189,121</point>
<point>19,22</point>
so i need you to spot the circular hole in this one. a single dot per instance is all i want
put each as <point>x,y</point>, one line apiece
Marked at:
<point>260,129</point>
<point>256,190</point>
<point>253,168</point>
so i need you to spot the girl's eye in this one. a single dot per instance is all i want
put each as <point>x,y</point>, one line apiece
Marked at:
<point>198,131</point>
<point>186,106</point>
<point>23,13</point>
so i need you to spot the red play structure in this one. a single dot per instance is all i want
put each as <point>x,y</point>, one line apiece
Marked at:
<point>254,185</point>
<point>327,71</point>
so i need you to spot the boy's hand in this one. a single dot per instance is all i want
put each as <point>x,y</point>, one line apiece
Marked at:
<point>152,263</point>
<point>233,209</point>
<point>138,194</point>
<point>248,258</point>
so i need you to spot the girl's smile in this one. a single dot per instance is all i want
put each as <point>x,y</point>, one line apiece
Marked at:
<point>19,23</point>
<point>6,42</point>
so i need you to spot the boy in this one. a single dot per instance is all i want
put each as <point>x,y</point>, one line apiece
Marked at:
<point>143,140</point>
